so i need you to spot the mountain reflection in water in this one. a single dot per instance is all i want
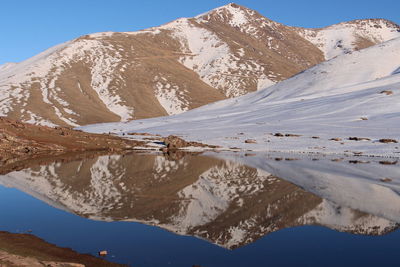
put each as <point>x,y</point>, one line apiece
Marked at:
<point>229,200</point>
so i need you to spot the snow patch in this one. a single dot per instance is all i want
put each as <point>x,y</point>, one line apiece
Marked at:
<point>170,97</point>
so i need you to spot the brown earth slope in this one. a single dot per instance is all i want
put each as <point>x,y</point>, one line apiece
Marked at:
<point>22,141</point>
<point>30,251</point>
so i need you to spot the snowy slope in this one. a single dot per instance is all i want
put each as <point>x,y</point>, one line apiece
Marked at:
<point>345,219</point>
<point>49,65</point>
<point>6,65</point>
<point>351,95</point>
<point>346,37</point>
<point>344,74</point>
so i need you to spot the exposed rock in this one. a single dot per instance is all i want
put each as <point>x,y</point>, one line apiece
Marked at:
<point>387,92</point>
<point>292,135</point>
<point>358,161</point>
<point>103,253</point>
<point>387,162</point>
<point>387,140</point>
<point>144,134</point>
<point>359,139</point>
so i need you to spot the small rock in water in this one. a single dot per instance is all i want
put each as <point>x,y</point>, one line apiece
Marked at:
<point>386,180</point>
<point>250,141</point>
<point>103,253</point>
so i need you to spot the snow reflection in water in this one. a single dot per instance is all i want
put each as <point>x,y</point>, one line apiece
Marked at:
<point>227,199</point>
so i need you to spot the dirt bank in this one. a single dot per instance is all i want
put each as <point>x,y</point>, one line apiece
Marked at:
<point>19,141</point>
<point>28,250</point>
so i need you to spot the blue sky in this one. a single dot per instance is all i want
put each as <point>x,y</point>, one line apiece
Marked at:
<point>28,27</point>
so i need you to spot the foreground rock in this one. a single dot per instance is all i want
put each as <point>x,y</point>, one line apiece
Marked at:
<point>21,140</point>
<point>28,250</point>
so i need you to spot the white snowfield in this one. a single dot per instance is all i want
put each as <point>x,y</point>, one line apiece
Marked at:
<point>352,95</point>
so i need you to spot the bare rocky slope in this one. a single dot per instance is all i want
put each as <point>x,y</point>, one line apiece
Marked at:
<point>169,69</point>
<point>25,250</point>
<point>20,142</point>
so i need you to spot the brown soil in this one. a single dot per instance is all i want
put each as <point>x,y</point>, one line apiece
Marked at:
<point>23,141</point>
<point>28,250</point>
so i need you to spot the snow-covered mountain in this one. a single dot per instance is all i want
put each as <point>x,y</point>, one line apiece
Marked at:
<point>222,201</point>
<point>350,36</point>
<point>169,69</point>
<point>352,95</point>
<point>7,65</point>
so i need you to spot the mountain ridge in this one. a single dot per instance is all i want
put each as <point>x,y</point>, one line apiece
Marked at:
<point>166,70</point>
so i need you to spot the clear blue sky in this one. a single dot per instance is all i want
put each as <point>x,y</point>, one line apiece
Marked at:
<point>28,27</point>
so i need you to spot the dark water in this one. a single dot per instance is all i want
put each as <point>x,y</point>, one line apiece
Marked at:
<point>211,210</point>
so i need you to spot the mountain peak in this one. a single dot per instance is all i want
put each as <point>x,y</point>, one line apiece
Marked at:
<point>232,13</point>
<point>230,6</point>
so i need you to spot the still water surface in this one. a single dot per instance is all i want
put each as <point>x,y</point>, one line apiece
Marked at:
<point>212,209</point>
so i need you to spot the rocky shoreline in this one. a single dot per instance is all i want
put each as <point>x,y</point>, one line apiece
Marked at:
<point>29,250</point>
<point>22,141</point>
